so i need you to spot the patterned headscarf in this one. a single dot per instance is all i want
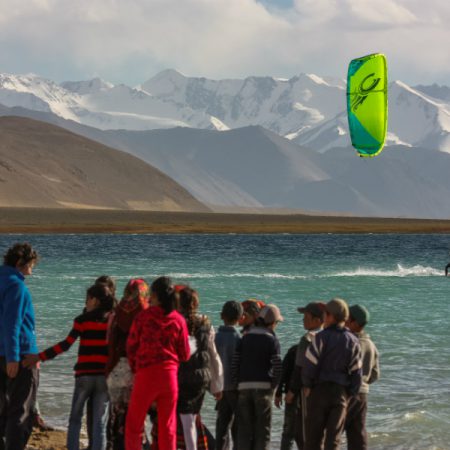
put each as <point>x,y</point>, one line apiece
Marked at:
<point>135,298</point>
<point>251,306</point>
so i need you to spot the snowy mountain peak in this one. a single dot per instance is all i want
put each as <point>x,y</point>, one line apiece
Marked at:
<point>308,109</point>
<point>316,79</point>
<point>87,86</point>
<point>435,91</point>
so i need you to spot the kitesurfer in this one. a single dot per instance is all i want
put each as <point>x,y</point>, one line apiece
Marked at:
<point>447,267</point>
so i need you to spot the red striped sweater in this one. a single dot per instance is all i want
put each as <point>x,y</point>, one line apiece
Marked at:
<point>91,328</point>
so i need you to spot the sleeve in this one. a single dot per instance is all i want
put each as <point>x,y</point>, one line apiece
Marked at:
<point>112,336</point>
<point>63,346</point>
<point>236,363</point>
<point>284,375</point>
<point>355,370</point>
<point>215,362</point>
<point>275,362</point>
<point>133,344</point>
<point>295,382</point>
<point>375,373</point>
<point>310,362</point>
<point>13,307</point>
<point>184,350</point>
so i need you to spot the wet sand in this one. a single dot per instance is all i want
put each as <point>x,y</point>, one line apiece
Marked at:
<point>36,220</point>
<point>47,440</point>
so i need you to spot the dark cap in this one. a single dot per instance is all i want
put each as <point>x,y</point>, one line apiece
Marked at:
<point>338,308</point>
<point>270,314</point>
<point>360,314</point>
<point>316,309</point>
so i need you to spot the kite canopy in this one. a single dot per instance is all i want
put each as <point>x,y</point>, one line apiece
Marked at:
<point>367,103</point>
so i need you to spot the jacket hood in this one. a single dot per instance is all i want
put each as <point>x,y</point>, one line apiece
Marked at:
<point>7,271</point>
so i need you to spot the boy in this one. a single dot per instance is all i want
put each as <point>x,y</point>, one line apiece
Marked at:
<point>313,318</point>
<point>257,371</point>
<point>227,338</point>
<point>331,370</point>
<point>18,385</point>
<point>355,425</point>
<point>290,408</point>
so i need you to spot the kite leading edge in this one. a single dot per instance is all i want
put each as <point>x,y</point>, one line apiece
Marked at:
<point>367,103</point>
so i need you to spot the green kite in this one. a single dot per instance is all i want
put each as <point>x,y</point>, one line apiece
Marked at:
<point>367,103</point>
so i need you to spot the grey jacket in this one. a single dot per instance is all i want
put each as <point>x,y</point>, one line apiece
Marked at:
<point>370,362</point>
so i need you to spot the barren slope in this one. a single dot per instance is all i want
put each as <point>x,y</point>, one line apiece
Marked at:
<point>42,165</point>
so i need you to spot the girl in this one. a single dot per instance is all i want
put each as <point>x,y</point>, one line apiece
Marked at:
<point>157,343</point>
<point>90,381</point>
<point>202,371</point>
<point>119,376</point>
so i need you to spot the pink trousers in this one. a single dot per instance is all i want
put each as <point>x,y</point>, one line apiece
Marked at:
<point>158,384</point>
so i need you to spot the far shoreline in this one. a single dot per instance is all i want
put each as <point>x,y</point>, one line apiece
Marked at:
<point>88,221</point>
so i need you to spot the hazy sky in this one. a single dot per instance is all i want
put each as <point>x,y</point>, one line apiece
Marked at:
<point>131,40</point>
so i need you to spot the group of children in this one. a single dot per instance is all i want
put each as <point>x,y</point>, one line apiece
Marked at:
<point>163,360</point>
<point>153,354</point>
<point>325,378</point>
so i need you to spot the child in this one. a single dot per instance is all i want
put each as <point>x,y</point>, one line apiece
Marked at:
<point>355,425</point>
<point>227,339</point>
<point>202,371</point>
<point>257,371</point>
<point>17,330</point>
<point>120,378</point>
<point>157,343</point>
<point>330,372</point>
<point>290,408</point>
<point>109,283</point>
<point>90,381</point>
<point>252,307</point>
<point>313,318</point>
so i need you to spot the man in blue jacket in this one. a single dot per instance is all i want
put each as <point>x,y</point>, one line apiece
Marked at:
<point>18,385</point>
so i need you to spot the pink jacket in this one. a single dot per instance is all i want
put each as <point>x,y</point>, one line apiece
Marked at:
<point>157,338</point>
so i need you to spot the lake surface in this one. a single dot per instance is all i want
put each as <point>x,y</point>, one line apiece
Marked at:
<point>399,278</point>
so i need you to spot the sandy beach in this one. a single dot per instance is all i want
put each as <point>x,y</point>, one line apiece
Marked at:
<point>47,440</point>
<point>59,220</point>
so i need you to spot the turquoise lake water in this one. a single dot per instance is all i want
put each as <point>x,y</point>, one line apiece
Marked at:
<point>399,278</point>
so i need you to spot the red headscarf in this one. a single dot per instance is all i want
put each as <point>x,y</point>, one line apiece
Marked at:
<point>136,297</point>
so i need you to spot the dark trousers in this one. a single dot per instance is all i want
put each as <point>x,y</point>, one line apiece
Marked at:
<point>289,425</point>
<point>254,415</point>
<point>355,424</point>
<point>325,416</point>
<point>17,399</point>
<point>226,408</point>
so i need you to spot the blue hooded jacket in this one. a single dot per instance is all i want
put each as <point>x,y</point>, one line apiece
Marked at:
<point>17,335</point>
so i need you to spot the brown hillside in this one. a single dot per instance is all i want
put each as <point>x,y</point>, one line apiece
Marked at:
<point>42,165</point>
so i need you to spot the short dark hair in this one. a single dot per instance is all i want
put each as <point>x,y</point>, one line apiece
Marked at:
<point>20,253</point>
<point>102,293</point>
<point>108,281</point>
<point>232,311</point>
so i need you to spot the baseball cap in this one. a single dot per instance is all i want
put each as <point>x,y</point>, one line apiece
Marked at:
<point>270,314</point>
<point>316,309</point>
<point>338,308</point>
<point>360,314</point>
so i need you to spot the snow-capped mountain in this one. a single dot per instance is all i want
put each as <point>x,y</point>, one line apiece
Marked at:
<point>308,109</point>
<point>415,120</point>
<point>170,99</point>
<point>435,91</point>
<point>253,167</point>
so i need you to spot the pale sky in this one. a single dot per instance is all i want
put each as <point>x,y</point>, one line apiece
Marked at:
<point>129,41</point>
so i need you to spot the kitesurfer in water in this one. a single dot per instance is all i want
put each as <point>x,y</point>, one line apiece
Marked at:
<point>447,267</point>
